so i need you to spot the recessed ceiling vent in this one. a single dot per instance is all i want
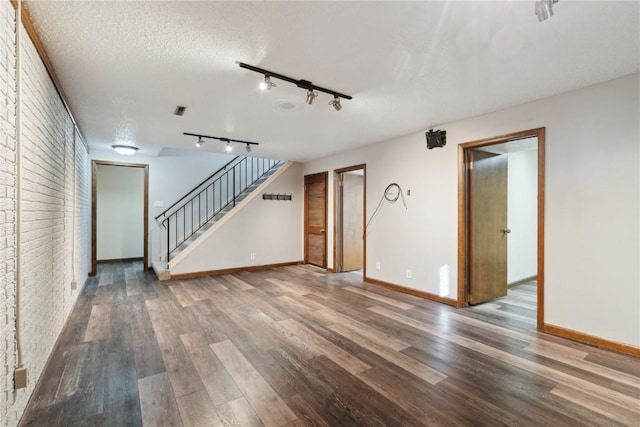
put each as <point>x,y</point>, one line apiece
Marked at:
<point>180,110</point>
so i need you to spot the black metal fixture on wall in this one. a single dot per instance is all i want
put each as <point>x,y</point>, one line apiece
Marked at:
<point>228,148</point>
<point>436,138</point>
<point>312,90</point>
<point>270,196</point>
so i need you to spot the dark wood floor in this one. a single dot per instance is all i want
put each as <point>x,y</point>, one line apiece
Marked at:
<point>295,346</point>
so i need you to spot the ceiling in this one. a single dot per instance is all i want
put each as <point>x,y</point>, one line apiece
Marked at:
<point>125,66</point>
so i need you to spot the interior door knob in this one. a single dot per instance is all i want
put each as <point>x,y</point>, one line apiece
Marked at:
<point>506,231</point>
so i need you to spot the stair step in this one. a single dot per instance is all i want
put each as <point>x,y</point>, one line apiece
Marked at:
<point>215,218</point>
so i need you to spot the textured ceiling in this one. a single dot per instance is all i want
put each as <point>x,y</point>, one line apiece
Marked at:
<point>124,66</point>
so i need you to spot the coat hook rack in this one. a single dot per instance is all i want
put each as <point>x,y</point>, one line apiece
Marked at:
<point>271,196</point>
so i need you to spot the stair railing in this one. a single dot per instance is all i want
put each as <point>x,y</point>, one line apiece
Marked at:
<point>218,193</point>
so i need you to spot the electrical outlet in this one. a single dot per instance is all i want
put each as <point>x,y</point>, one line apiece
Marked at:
<point>408,274</point>
<point>377,265</point>
<point>74,285</point>
<point>252,256</point>
<point>20,378</point>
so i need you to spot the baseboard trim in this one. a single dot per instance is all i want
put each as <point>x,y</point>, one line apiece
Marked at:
<point>591,340</point>
<point>414,292</point>
<point>113,261</point>
<point>522,281</point>
<point>232,270</point>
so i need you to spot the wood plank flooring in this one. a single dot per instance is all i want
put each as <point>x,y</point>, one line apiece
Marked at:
<point>298,347</point>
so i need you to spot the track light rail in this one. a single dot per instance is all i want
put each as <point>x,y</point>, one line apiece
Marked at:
<point>221,138</point>
<point>304,84</point>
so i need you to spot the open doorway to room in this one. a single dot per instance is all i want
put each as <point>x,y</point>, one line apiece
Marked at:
<point>119,213</point>
<point>501,224</point>
<point>349,219</point>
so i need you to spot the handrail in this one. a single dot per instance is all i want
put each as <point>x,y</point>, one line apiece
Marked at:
<point>206,202</point>
<point>197,186</point>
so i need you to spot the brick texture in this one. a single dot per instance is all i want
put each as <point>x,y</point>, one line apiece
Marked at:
<point>7,207</point>
<point>54,241</point>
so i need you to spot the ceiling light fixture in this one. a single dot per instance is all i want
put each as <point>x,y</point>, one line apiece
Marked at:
<point>228,147</point>
<point>266,84</point>
<point>311,96</point>
<point>312,90</point>
<point>544,9</point>
<point>336,103</point>
<point>125,150</point>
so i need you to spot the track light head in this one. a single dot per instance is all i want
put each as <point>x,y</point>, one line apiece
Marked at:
<point>336,103</point>
<point>266,84</point>
<point>228,148</point>
<point>544,9</point>
<point>248,148</point>
<point>311,96</point>
<point>199,142</point>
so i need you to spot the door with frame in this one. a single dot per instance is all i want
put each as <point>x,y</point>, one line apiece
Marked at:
<point>477,271</point>
<point>94,211</point>
<point>349,219</point>
<point>315,219</point>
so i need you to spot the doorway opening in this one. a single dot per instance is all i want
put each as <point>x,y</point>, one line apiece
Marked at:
<point>501,219</point>
<point>119,213</point>
<point>349,218</point>
<point>315,219</point>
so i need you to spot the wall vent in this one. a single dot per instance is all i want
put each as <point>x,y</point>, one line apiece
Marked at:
<point>180,110</point>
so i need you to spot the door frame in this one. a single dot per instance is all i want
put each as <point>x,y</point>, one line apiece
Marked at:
<point>325,175</point>
<point>94,212</point>
<point>463,213</point>
<point>337,219</point>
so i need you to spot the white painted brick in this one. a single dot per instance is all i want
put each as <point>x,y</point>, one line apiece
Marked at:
<point>7,207</point>
<point>55,225</point>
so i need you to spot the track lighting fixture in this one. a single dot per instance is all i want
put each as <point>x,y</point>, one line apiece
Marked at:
<point>544,9</point>
<point>312,90</point>
<point>125,150</point>
<point>228,147</point>
<point>266,84</point>
<point>311,96</point>
<point>336,103</point>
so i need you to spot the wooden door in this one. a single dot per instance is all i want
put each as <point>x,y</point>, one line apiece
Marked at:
<point>488,226</point>
<point>315,219</point>
<point>352,214</point>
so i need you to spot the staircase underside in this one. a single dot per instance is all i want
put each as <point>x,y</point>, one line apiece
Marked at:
<point>162,268</point>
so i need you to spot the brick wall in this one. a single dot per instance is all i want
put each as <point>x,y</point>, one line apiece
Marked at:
<point>82,237</point>
<point>54,219</point>
<point>7,204</point>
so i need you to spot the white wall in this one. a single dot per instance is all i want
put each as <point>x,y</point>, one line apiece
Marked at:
<point>53,222</point>
<point>8,196</point>
<point>271,230</point>
<point>591,205</point>
<point>169,178</point>
<point>422,237</point>
<point>522,209</point>
<point>120,212</point>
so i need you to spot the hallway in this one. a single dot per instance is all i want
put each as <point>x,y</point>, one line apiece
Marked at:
<point>296,346</point>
